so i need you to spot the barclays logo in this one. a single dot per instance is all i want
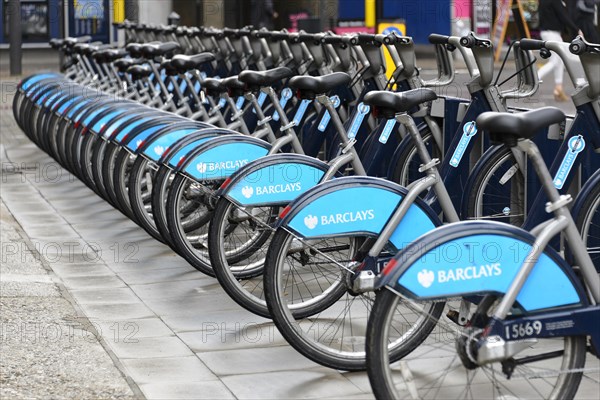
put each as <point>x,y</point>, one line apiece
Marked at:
<point>247,191</point>
<point>425,278</point>
<point>311,221</point>
<point>159,150</point>
<point>201,167</point>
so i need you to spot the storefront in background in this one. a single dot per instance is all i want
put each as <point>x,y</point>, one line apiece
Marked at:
<point>42,20</point>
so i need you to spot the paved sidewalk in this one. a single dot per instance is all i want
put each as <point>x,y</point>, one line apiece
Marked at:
<point>165,326</point>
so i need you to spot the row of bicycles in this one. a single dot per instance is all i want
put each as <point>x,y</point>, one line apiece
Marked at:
<point>448,245</point>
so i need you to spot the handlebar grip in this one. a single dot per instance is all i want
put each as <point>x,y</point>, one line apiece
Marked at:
<point>306,37</point>
<point>362,38</point>
<point>280,36</point>
<point>435,38</point>
<point>578,46</point>
<point>532,44</point>
<point>333,39</point>
<point>262,34</point>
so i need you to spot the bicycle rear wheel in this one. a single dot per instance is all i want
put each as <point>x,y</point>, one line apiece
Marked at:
<point>308,293</point>
<point>238,243</point>
<point>188,213</point>
<point>435,370</point>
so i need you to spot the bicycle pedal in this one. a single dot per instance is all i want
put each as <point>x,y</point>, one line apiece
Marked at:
<point>454,316</point>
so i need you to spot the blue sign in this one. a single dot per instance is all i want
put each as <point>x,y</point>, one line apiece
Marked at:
<point>387,130</point>
<point>301,111</point>
<point>469,131</point>
<point>361,111</point>
<point>240,102</point>
<point>286,95</point>
<point>326,117</point>
<point>261,100</point>
<point>576,145</point>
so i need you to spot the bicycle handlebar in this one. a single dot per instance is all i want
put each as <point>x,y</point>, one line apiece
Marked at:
<point>435,38</point>
<point>532,44</point>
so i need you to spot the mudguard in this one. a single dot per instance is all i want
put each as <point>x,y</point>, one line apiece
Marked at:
<point>137,139</point>
<point>178,150</point>
<point>121,127</point>
<point>220,157</point>
<point>156,145</point>
<point>107,115</point>
<point>33,79</point>
<point>356,206</point>
<point>477,258</point>
<point>274,179</point>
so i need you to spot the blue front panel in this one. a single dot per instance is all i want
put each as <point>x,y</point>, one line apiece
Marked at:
<point>487,263</point>
<point>359,210</point>
<point>275,184</point>
<point>162,143</point>
<point>222,161</point>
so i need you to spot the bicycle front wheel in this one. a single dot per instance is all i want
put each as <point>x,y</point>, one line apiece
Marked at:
<point>548,369</point>
<point>498,191</point>
<point>588,223</point>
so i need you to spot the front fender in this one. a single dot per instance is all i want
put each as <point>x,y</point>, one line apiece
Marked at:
<point>481,257</point>
<point>275,179</point>
<point>356,206</point>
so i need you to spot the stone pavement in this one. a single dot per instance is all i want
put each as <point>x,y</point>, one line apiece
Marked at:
<point>168,330</point>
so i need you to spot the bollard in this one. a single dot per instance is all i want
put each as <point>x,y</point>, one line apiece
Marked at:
<point>16,55</point>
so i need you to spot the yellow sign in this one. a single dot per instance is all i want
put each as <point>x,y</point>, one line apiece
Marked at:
<point>386,28</point>
<point>370,13</point>
<point>118,10</point>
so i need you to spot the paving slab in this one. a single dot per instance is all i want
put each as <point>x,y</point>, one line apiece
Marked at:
<point>189,390</point>
<point>299,384</point>
<point>147,347</point>
<point>169,370</point>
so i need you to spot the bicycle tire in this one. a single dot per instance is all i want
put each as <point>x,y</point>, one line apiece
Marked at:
<point>381,375</point>
<point>408,162</point>
<point>243,283</point>
<point>588,224</point>
<point>489,194</point>
<point>178,229</point>
<point>139,201</point>
<point>290,316</point>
